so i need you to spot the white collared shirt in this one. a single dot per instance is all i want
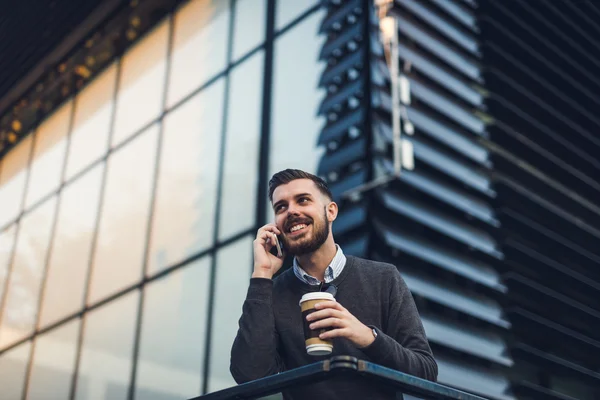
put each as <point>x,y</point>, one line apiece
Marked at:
<point>333,270</point>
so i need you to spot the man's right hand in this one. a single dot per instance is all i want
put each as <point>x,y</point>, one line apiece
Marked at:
<point>265,263</point>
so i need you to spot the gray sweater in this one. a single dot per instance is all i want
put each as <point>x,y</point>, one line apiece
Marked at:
<point>270,338</point>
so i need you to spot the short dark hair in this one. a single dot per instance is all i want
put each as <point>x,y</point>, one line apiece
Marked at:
<point>288,175</point>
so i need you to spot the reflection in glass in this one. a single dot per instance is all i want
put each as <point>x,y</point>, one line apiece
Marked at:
<point>184,214</point>
<point>199,46</point>
<point>48,155</point>
<point>7,240</point>
<point>53,363</point>
<point>142,84</point>
<point>91,123</point>
<point>287,11</point>
<point>70,255</point>
<point>173,334</point>
<point>241,148</point>
<point>124,216</point>
<point>13,175</point>
<point>106,351</point>
<point>248,26</point>
<point>13,368</point>
<point>234,267</point>
<point>21,307</point>
<point>296,97</point>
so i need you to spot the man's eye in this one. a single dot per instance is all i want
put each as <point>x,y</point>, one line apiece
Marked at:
<point>302,200</point>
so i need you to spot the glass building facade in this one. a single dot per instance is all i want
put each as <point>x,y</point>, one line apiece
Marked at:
<point>128,214</point>
<point>128,211</point>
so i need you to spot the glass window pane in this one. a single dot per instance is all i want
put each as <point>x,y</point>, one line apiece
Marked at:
<point>296,98</point>
<point>199,46</point>
<point>13,368</point>
<point>234,267</point>
<point>141,88</point>
<point>287,11</point>
<point>48,155</point>
<point>106,350</point>
<point>170,360</point>
<point>241,152</point>
<point>184,214</point>
<point>53,363</point>
<point>7,240</point>
<point>70,255</point>
<point>248,26</point>
<point>13,176</point>
<point>21,307</point>
<point>91,124</point>
<point>124,216</point>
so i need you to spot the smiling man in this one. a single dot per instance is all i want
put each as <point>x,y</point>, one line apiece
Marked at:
<point>374,317</point>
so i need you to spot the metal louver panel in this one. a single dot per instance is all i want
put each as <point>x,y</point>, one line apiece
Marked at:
<point>440,225</point>
<point>466,376</point>
<point>455,297</point>
<point>455,335</point>
<point>436,222</point>
<point>441,257</point>
<point>352,54</point>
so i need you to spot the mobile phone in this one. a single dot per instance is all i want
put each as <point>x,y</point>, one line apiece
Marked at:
<point>277,247</point>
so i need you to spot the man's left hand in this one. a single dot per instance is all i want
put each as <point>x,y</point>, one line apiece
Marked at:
<point>331,314</point>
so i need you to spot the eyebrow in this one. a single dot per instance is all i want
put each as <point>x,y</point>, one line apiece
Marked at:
<point>296,196</point>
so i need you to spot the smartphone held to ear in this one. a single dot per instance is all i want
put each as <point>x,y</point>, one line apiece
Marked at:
<point>276,250</point>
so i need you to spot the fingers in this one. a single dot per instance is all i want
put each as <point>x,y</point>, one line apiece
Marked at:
<point>330,304</point>
<point>328,323</point>
<point>266,237</point>
<point>342,332</point>
<point>269,237</point>
<point>330,312</point>
<point>269,228</point>
<point>336,321</point>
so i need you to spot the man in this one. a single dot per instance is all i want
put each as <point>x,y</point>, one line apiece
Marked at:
<point>374,317</point>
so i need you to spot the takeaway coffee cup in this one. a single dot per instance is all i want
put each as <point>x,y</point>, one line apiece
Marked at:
<point>314,345</point>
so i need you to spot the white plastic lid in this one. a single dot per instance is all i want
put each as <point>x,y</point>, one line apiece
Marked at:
<point>317,296</point>
<point>319,349</point>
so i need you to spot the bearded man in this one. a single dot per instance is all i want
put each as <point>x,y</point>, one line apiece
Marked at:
<point>373,317</point>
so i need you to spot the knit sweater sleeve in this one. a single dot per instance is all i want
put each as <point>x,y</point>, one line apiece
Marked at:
<point>254,353</point>
<point>403,346</point>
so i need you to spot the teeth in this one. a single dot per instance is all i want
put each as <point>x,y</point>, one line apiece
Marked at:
<point>297,227</point>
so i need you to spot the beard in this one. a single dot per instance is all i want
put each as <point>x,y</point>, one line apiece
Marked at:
<point>303,245</point>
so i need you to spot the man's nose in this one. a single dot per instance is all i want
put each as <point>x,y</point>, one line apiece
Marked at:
<point>292,210</point>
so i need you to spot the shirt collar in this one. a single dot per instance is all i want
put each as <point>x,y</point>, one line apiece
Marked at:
<point>333,270</point>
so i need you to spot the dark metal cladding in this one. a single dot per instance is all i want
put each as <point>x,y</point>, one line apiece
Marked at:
<point>437,223</point>
<point>541,61</point>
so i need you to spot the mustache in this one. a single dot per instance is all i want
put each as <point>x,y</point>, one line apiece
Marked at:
<point>295,220</point>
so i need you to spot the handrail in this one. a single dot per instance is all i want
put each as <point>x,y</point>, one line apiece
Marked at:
<point>347,366</point>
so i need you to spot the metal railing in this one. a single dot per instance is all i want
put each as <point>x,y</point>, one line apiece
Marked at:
<point>349,368</point>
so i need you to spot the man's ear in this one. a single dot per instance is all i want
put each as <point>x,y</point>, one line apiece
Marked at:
<point>332,211</point>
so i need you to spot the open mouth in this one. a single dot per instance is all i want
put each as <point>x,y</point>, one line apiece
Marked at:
<point>297,229</point>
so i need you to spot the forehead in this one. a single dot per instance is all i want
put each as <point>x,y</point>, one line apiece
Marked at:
<point>297,186</point>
